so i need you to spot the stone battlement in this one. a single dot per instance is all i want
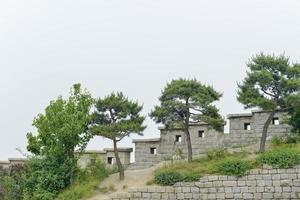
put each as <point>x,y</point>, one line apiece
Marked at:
<point>245,130</point>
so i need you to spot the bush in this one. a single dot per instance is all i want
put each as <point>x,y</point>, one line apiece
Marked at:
<point>216,154</point>
<point>280,158</point>
<point>233,167</point>
<point>47,176</point>
<point>168,177</point>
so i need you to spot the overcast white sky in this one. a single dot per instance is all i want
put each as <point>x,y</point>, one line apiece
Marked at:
<point>134,46</point>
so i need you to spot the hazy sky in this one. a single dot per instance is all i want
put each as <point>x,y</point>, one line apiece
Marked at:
<point>134,46</point>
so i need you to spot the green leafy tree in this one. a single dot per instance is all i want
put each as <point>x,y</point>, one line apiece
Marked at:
<point>117,117</point>
<point>184,102</point>
<point>61,130</point>
<point>64,125</point>
<point>270,83</point>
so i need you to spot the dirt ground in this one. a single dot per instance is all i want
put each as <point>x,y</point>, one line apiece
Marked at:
<point>133,178</point>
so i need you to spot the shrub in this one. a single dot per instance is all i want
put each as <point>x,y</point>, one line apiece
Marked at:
<point>216,154</point>
<point>233,167</point>
<point>47,176</point>
<point>280,158</point>
<point>168,177</point>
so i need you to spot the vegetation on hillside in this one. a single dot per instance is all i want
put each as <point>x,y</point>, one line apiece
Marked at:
<point>86,181</point>
<point>285,152</point>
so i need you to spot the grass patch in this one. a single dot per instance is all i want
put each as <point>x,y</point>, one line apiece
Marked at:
<point>234,167</point>
<point>200,167</point>
<point>281,156</point>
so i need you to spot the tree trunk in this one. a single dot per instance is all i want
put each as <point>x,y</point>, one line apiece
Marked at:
<point>265,131</point>
<point>189,144</point>
<point>119,164</point>
<point>187,132</point>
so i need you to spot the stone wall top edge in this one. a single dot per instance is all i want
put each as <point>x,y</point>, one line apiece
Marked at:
<point>146,140</point>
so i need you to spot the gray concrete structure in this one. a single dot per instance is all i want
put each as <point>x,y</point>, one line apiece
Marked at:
<point>245,130</point>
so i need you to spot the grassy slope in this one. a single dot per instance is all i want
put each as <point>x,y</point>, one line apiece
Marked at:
<point>208,166</point>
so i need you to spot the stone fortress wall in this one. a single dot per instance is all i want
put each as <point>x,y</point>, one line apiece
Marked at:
<point>259,184</point>
<point>107,156</point>
<point>245,130</point>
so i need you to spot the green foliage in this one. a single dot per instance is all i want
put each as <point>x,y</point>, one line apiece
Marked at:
<point>234,167</point>
<point>193,171</point>
<point>272,84</point>
<point>117,117</point>
<point>13,183</point>
<point>186,100</point>
<point>217,154</point>
<point>190,176</point>
<point>86,181</point>
<point>280,158</point>
<point>168,178</point>
<point>60,130</point>
<point>271,81</point>
<point>63,126</point>
<point>47,176</point>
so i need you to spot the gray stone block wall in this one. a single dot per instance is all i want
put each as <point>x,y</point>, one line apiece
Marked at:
<point>143,154</point>
<point>258,184</point>
<point>87,156</point>
<point>238,137</point>
<point>211,139</point>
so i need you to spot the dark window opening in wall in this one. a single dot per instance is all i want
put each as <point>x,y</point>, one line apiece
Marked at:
<point>275,121</point>
<point>178,138</point>
<point>247,126</point>
<point>110,160</point>
<point>201,134</point>
<point>153,150</point>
